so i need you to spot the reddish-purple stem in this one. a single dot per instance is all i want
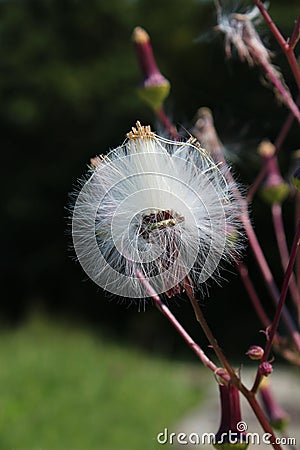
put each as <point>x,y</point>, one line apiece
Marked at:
<point>260,258</point>
<point>278,143</point>
<point>280,306</point>
<point>206,361</point>
<point>178,327</point>
<point>243,271</point>
<point>283,250</point>
<point>283,91</point>
<point>208,333</point>
<point>287,49</point>
<point>169,127</point>
<point>235,380</point>
<point>296,35</point>
<point>297,214</point>
<point>268,277</point>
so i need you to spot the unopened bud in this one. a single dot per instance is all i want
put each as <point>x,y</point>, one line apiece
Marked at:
<point>155,87</point>
<point>255,352</point>
<point>275,189</point>
<point>265,368</point>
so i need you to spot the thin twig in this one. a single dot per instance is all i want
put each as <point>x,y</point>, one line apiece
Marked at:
<point>243,271</point>
<point>277,144</point>
<point>169,127</point>
<point>280,306</point>
<point>234,378</point>
<point>296,35</point>
<point>179,328</point>
<point>202,356</point>
<point>208,130</point>
<point>287,49</point>
<point>208,333</point>
<point>283,250</point>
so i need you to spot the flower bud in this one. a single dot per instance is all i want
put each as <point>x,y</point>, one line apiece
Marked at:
<point>155,87</point>
<point>231,421</point>
<point>255,352</point>
<point>277,416</point>
<point>275,189</point>
<point>265,368</point>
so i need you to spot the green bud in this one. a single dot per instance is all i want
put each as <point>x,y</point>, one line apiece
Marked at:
<point>154,95</point>
<point>276,193</point>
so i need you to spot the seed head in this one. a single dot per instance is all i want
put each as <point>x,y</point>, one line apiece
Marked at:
<point>157,207</point>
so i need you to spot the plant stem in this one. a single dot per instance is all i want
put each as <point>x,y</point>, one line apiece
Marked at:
<point>269,280</point>
<point>262,419</point>
<point>277,144</point>
<point>280,305</point>
<point>243,271</point>
<point>169,127</point>
<point>296,35</point>
<point>178,327</point>
<point>234,378</point>
<point>287,49</point>
<point>283,250</point>
<point>263,265</point>
<point>207,132</point>
<point>297,214</point>
<point>282,90</point>
<point>208,333</point>
<point>202,356</point>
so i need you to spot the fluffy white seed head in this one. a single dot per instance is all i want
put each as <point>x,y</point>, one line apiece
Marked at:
<point>158,207</point>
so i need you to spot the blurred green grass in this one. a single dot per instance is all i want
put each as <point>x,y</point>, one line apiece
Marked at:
<point>64,387</point>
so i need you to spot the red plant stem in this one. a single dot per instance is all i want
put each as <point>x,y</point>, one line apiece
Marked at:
<point>260,258</point>
<point>205,360</point>
<point>287,49</point>
<point>208,333</point>
<point>284,93</point>
<point>243,271</point>
<point>270,283</point>
<point>170,128</point>
<point>234,378</point>
<point>262,419</point>
<point>283,250</point>
<point>216,149</point>
<point>297,214</point>
<point>273,410</point>
<point>293,65</point>
<point>178,327</point>
<point>278,143</point>
<point>280,305</point>
<point>296,35</point>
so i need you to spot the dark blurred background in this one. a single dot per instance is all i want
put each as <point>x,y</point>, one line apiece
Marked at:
<point>68,78</point>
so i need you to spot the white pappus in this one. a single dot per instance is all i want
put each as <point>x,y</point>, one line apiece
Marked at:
<point>158,207</point>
